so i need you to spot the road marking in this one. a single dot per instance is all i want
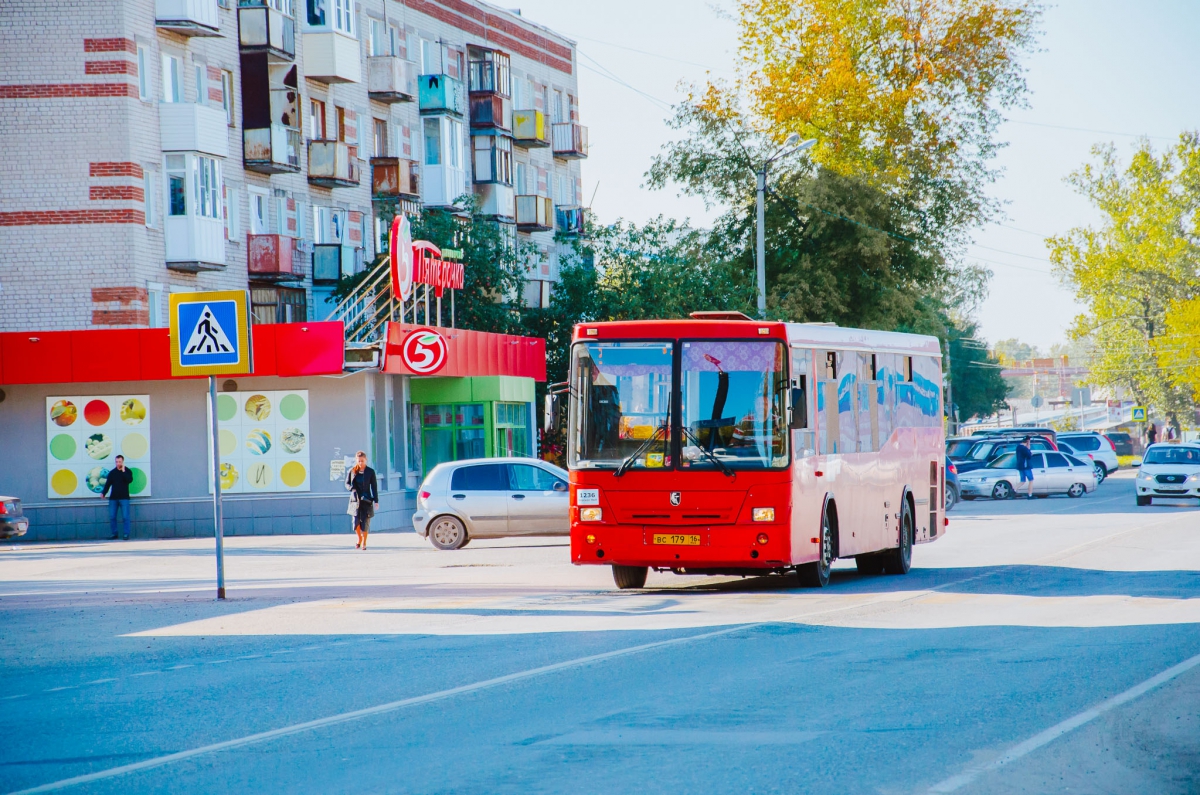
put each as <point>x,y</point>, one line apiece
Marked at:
<point>57,689</point>
<point>99,681</point>
<point>957,782</point>
<point>380,709</point>
<point>9,698</point>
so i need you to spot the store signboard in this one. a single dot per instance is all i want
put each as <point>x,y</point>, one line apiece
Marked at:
<point>264,441</point>
<point>84,436</point>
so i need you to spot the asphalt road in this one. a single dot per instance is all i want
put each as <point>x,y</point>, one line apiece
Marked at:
<point>1041,646</point>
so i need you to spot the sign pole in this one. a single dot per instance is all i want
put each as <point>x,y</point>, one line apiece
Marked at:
<point>217,517</point>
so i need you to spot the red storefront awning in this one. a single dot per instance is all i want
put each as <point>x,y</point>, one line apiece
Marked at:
<point>469,353</point>
<point>101,355</point>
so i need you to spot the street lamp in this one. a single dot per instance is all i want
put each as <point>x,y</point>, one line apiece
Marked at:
<point>790,147</point>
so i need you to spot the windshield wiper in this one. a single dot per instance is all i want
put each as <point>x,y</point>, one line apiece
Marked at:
<point>726,470</point>
<point>643,447</point>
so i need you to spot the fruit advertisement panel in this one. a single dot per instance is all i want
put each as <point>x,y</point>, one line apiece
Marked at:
<point>263,439</point>
<point>84,436</point>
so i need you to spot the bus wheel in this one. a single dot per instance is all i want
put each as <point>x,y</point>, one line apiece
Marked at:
<point>899,560</point>
<point>869,564</point>
<point>630,576</point>
<point>816,574</point>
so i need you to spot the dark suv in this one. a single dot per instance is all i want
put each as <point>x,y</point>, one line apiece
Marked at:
<point>992,447</point>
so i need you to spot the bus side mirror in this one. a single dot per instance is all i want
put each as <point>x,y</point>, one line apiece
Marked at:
<point>799,409</point>
<point>552,413</point>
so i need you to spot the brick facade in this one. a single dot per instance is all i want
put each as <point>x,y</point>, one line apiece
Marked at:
<point>84,193</point>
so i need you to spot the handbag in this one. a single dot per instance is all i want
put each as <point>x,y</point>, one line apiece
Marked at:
<point>352,508</point>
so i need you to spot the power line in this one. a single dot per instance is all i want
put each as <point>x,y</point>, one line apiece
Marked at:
<point>1088,130</point>
<point>651,54</point>
<point>1013,253</point>
<point>604,71</point>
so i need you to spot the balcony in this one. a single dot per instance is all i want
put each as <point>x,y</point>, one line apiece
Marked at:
<point>332,261</point>
<point>272,150</point>
<point>569,220</point>
<point>492,158</point>
<point>262,28</point>
<point>330,165</point>
<point>570,140</point>
<point>395,177</point>
<point>497,202</point>
<point>441,186</point>
<point>188,127</point>
<point>391,79</point>
<point>530,130</point>
<point>194,243</point>
<point>272,258</point>
<point>491,112</point>
<point>188,17</point>
<point>441,94</point>
<point>535,214</point>
<point>332,58</point>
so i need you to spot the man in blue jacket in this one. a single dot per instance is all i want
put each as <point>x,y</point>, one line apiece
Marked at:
<point>1025,465</point>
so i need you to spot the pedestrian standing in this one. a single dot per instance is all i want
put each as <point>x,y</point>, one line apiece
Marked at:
<point>1151,434</point>
<point>1025,465</point>
<point>116,488</point>
<point>364,493</point>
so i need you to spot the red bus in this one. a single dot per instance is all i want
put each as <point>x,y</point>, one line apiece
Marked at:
<point>725,445</point>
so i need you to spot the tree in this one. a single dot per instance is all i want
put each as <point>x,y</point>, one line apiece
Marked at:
<point>1142,260</point>
<point>1179,351</point>
<point>905,94</point>
<point>978,389</point>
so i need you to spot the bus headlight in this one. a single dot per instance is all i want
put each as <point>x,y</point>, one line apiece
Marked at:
<point>590,514</point>
<point>764,514</point>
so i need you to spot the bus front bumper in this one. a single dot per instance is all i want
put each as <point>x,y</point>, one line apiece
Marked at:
<point>757,546</point>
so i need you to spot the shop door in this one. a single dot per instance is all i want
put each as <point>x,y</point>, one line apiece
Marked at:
<point>452,432</point>
<point>481,494</point>
<point>538,503</point>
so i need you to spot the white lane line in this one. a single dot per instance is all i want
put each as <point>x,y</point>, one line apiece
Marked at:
<point>57,689</point>
<point>9,698</point>
<point>145,673</point>
<point>380,709</point>
<point>99,681</point>
<point>180,667</point>
<point>957,782</point>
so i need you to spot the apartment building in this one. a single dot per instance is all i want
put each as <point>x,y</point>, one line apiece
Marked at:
<point>156,146</point>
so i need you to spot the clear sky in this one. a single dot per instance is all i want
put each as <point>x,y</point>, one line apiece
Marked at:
<point>1109,70</point>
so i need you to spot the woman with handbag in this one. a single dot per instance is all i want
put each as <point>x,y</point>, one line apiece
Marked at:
<point>364,497</point>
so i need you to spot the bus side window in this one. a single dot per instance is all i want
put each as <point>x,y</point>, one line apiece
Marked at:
<point>830,366</point>
<point>847,402</point>
<point>802,403</point>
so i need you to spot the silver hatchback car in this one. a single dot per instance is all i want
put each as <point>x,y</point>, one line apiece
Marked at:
<point>492,498</point>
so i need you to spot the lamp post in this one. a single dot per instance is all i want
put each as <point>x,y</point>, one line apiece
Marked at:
<point>790,147</point>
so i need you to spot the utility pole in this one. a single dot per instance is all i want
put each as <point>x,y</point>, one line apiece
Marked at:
<point>949,393</point>
<point>790,147</point>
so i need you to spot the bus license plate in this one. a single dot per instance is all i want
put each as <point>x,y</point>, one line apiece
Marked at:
<point>677,540</point>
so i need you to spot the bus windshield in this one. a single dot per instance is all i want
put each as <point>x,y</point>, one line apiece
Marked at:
<point>734,415</point>
<point>622,393</point>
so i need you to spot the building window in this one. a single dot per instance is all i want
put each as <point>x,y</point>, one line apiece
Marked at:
<point>208,187</point>
<point>201,83</point>
<point>172,81</point>
<point>227,95</point>
<point>343,16</point>
<point>259,214</point>
<point>316,12</point>
<point>154,304</point>
<point>381,138</point>
<point>176,185</point>
<point>431,57</point>
<point>316,119</point>
<point>278,305</point>
<point>231,211</point>
<point>148,196</point>
<point>377,38</point>
<point>143,74</point>
<point>433,141</point>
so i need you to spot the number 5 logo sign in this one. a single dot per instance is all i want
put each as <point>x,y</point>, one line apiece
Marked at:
<point>424,351</point>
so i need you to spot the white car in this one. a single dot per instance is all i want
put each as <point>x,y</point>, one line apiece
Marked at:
<point>1095,446</point>
<point>1169,471</point>
<point>492,498</point>
<point>1053,473</point>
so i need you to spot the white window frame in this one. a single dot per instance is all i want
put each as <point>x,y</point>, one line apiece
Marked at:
<point>154,304</point>
<point>343,17</point>
<point>378,40</point>
<point>201,70</point>
<point>227,94</point>
<point>176,166</point>
<point>148,196</point>
<point>143,73</point>
<point>172,89</point>
<point>260,222</point>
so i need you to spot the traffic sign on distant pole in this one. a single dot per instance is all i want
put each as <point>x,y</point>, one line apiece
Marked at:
<point>210,335</point>
<point>1139,414</point>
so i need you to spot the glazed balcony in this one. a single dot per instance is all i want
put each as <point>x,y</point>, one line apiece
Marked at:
<point>188,127</point>
<point>331,165</point>
<point>391,79</point>
<point>441,94</point>
<point>264,28</point>
<point>395,177</point>
<point>272,150</point>
<point>332,261</point>
<point>530,130</point>
<point>569,220</point>
<point>570,140</point>
<point>497,201</point>
<point>272,258</point>
<point>535,214</point>
<point>188,17</point>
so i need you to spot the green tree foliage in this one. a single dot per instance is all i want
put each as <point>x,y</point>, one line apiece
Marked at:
<point>1143,259</point>
<point>979,391</point>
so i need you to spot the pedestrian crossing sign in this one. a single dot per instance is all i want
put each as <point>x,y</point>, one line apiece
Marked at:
<point>1139,414</point>
<point>210,333</point>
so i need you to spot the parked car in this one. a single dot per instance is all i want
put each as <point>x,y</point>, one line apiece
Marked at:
<point>992,448</point>
<point>1124,443</point>
<point>1022,431</point>
<point>13,523</point>
<point>1053,473</point>
<point>957,446</point>
<point>492,498</point>
<point>952,488</point>
<point>1095,446</point>
<point>1169,471</point>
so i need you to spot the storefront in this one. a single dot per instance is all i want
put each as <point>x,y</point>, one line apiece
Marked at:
<point>71,401</point>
